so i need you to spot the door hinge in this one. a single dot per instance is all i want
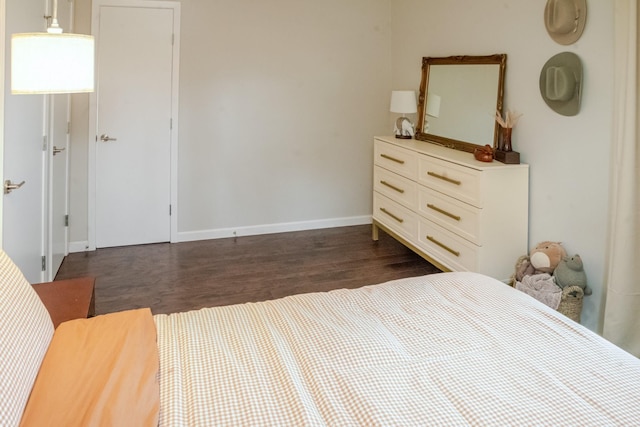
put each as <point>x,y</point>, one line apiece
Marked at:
<point>44,142</point>
<point>173,39</point>
<point>171,124</point>
<point>66,220</point>
<point>169,210</point>
<point>44,263</point>
<point>68,128</point>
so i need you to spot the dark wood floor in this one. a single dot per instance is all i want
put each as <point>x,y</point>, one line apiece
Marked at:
<point>187,276</point>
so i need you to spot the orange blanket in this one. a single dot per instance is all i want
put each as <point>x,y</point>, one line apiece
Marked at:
<point>99,372</point>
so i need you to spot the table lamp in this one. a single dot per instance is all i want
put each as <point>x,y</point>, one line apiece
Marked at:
<point>403,102</point>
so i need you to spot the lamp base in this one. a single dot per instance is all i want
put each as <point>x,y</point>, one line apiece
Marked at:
<point>403,128</point>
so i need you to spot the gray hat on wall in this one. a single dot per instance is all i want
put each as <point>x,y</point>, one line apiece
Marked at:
<point>565,19</point>
<point>561,83</point>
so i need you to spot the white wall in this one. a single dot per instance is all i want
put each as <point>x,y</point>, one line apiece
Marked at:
<point>279,103</point>
<point>568,156</point>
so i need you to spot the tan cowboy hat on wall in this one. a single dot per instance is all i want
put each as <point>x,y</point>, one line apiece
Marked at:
<point>565,19</point>
<point>561,83</point>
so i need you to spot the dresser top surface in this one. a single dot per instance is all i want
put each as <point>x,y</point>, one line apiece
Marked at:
<point>448,154</point>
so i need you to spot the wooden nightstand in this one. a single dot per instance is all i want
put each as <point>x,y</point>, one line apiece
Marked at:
<point>68,299</point>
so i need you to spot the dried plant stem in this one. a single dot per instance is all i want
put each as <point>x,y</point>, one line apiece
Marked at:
<point>510,120</point>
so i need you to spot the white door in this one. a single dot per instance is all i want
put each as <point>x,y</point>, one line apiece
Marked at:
<point>135,105</point>
<point>23,155</point>
<point>2,60</point>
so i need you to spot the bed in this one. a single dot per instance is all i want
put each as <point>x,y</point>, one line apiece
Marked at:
<point>443,349</point>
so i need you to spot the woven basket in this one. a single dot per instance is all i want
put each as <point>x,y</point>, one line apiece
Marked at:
<point>512,279</point>
<point>571,300</point>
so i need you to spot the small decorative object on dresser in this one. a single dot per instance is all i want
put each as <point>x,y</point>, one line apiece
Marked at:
<point>505,153</point>
<point>456,212</point>
<point>403,102</point>
<point>483,154</point>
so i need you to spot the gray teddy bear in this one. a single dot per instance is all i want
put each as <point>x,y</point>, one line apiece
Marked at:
<point>570,272</point>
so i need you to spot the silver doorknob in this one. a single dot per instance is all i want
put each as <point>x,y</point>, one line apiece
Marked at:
<point>10,186</point>
<point>106,138</point>
<point>57,150</point>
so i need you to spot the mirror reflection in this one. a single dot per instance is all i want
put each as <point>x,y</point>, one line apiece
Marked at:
<point>459,96</point>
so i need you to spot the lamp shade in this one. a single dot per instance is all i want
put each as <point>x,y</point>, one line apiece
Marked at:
<point>403,101</point>
<point>51,63</point>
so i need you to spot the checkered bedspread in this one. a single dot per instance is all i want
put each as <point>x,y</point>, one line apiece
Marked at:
<point>444,349</point>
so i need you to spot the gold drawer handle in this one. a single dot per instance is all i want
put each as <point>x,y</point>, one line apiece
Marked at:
<point>400,220</point>
<point>393,159</point>
<point>443,246</point>
<point>443,212</point>
<point>393,187</point>
<point>444,178</point>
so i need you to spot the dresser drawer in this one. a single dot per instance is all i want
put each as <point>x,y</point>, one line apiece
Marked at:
<point>396,159</point>
<point>395,187</point>
<point>450,249</point>
<point>452,214</point>
<point>395,216</point>
<point>456,181</point>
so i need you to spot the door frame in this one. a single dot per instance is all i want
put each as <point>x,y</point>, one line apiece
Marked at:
<point>93,113</point>
<point>51,195</point>
<point>49,182</point>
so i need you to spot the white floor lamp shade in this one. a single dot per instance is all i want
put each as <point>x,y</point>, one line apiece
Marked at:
<point>51,63</point>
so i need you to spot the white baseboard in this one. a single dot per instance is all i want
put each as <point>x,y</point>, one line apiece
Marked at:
<point>253,230</point>
<point>81,246</point>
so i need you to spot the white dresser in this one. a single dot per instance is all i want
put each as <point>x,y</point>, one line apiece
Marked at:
<point>458,213</point>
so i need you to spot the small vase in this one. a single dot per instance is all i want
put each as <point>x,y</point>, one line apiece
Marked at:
<point>506,139</point>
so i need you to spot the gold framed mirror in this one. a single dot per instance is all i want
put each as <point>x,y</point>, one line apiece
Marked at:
<point>459,97</point>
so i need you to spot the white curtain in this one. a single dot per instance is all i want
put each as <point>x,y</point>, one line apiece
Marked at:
<point>621,323</point>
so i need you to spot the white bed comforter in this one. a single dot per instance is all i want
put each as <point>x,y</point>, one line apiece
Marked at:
<point>444,349</point>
